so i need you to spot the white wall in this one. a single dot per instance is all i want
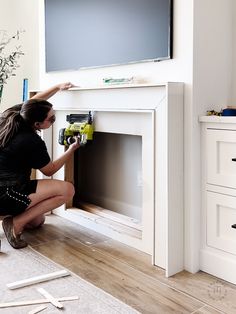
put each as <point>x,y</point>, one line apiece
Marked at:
<point>204,43</point>
<point>233,85</point>
<point>21,15</point>
<point>212,79</point>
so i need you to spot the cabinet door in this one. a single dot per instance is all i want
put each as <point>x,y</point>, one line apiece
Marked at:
<point>221,157</point>
<point>221,216</point>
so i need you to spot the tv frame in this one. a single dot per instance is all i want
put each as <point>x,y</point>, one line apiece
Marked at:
<point>158,59</point>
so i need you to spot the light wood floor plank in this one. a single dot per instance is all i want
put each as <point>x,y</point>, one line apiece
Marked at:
<point>128,274</point>
<point>201,285</point>
<point>207,310</point>
<point>119,279</point>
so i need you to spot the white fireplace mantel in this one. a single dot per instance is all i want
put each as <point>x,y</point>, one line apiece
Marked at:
<point>161,106</point>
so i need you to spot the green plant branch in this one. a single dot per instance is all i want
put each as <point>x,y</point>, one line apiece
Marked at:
<point>9,61</point>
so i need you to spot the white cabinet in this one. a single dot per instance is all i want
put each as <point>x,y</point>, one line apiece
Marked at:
<point>221,157</point>
<point>221,221</point>
<point>218,243</point>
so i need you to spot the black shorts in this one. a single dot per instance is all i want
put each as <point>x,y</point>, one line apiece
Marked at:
<point>15,199</point>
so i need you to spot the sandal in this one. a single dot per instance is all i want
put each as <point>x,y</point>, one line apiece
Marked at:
<point>15,241</point>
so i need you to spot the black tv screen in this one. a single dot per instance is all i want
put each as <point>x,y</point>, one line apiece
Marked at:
<point>94,33</point>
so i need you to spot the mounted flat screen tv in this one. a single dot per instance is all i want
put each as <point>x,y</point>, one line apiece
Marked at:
<point>95,33</point>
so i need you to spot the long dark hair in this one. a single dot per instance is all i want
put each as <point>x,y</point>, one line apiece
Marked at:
<point>22,116</point>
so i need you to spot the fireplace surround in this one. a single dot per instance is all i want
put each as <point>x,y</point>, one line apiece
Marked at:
<point>129,181</point>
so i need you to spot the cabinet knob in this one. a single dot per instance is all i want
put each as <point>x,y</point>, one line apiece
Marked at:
<point>233,226</point>
<point>233,159</point>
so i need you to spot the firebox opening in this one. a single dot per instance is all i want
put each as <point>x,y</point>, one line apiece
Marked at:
<point>108,177</point>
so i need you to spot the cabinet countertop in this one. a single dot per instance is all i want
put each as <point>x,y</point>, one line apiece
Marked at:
<point>218,119</point>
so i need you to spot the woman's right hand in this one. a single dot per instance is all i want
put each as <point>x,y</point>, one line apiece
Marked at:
<point>65,86</point>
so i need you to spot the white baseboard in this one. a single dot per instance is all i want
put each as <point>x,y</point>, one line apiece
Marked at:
<point>220,265</point>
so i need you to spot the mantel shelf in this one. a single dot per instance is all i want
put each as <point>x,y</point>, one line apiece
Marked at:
<point>111,86</point>
<point>115,86</point>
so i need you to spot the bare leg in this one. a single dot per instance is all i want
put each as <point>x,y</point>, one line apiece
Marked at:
<point>49,195</point>
<point>35,223</point>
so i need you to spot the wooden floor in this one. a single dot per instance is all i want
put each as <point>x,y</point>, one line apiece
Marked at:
<point>127,274</point>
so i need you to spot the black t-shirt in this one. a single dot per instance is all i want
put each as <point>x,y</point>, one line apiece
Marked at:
<point>25,151</point>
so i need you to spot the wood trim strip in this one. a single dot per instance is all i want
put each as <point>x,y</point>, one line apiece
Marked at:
<point>38,309</point>
<point>37,279</point>
<point>38,301</point>
<point>50,298</point>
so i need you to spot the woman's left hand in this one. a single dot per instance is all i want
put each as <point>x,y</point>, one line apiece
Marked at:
<point>75,145</point>
<point>53,90</point>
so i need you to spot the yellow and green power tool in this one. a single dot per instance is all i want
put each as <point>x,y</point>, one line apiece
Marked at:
<point>80,126</point>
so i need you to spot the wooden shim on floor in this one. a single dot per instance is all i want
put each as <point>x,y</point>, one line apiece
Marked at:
<point>32,302</point>
<point>50,298</point>
<point>37,279</point>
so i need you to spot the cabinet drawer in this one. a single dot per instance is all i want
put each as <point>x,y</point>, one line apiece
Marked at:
<point>221,152</point>
<point>221,215</point>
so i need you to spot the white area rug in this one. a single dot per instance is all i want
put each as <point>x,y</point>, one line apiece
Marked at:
<point>26,263</point>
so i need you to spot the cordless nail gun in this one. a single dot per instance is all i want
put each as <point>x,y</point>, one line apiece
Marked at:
<point>80,126</point>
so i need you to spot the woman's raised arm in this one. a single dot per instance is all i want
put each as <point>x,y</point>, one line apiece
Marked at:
<point>53,90</point>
